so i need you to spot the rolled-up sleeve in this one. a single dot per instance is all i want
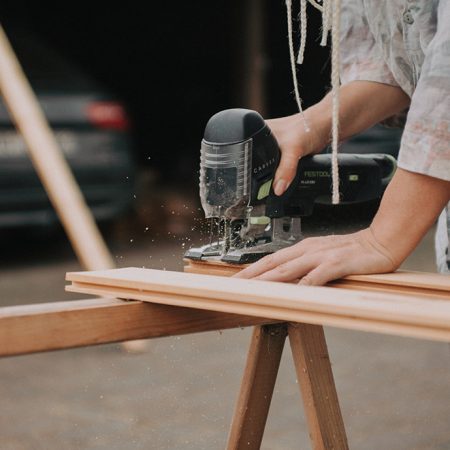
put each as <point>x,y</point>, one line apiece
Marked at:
<point>361,57</point>
<point>425,146</point>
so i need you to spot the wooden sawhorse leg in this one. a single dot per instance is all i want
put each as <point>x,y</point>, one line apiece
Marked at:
<point>257,386</point>
<point>315,377</point>
<point>313,367</point>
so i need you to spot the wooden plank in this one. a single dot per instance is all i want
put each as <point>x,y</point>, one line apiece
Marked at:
<point>409,311</point>
<point>351,323</point>
<point>411,279</point>
<point>257,386</point>
<point>342,283</point>
<point>315,377</point>
<point>402,282</point>
<point>268,293</point>
<point>61,325</point>
<point>392,289</point>
<point>49,162</point>
<point>411,316</point>
<point>203,269</point>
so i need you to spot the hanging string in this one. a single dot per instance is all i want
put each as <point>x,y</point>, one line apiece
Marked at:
<point>335,84</point>
<point>330,10</point>
<point>303,31</point>
<point>326,13</point>
<point>293,68</point>
<point>316,4</point>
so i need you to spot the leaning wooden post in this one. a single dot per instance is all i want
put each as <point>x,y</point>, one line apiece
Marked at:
<point>49,162</point>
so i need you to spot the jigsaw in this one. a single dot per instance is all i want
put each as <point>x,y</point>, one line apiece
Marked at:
<point>238,159</point>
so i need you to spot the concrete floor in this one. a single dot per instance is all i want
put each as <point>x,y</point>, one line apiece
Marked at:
<point>394,392</point>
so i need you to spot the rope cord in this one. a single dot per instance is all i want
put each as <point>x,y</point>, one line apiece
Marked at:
<point>316,4</point>
<point>293,68</point>
<point>330,20</point>
<point>335,84</point>
<point>303,31</point>
<point>325,21</point>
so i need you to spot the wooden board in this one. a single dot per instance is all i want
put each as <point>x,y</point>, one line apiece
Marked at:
<point>49,162</point>
<point>60,325</point>
<point>413,316</point>
<point>432,285</point>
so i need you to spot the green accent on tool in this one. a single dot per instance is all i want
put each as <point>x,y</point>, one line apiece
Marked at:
<point>263,220</point>
<point>264,190</point>
<point>353,177</point>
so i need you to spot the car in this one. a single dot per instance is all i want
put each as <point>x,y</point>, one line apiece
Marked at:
<point>92,128</point>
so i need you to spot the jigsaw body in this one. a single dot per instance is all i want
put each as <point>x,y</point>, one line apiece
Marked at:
<point>239,157</point>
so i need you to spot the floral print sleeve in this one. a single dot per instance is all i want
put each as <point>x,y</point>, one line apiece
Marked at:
<point>361,57</point>
<point>425,146</point>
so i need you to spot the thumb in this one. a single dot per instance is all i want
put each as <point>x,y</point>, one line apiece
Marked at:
<point>286,172</point>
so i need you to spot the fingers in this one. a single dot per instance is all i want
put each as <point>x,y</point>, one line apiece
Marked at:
<point>269,262</point>
<point>291,141</point>
<point>286,171</point>
<point>313,269</point>
<point>291,270</point>
<point>316,261</point>
<point>321,275</point>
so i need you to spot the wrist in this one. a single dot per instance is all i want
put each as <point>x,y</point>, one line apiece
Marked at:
<point>376,240</point>
<point>410,206</point>
<point>318,118</point>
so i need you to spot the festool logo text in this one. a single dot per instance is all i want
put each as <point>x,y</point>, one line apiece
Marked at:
<point>316,174</point>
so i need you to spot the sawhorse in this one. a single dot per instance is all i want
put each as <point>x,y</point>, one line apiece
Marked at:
<point>315,377</point>
<point>314,374</point>
<point>421,311</point>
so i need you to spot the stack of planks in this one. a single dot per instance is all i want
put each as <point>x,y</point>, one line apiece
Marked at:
<point>404,303</point>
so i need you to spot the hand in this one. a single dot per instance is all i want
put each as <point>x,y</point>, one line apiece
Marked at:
<point>316,261</point>
<point>354,116</point>
<point>295,142</point>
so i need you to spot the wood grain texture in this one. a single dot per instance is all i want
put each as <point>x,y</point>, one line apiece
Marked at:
<point>432,285</point>
<point>369,311</point>
<point>61,325</point>
<point>257,386</point>
<point>315,377</point>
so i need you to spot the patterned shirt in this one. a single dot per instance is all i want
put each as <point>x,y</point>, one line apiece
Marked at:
<point>405,43</point>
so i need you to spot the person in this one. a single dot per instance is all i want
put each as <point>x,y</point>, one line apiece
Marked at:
<point>395,64</point>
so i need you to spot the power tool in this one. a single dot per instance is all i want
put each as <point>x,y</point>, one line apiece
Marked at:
<point>238,159</point>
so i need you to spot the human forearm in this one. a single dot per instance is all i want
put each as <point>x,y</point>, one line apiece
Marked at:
<point>410,206</point>
<point>362,105</point>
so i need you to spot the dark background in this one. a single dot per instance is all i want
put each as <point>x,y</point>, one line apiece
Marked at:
<point>174,64</point>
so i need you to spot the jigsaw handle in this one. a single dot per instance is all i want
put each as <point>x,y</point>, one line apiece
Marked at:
<point>363,177</point>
